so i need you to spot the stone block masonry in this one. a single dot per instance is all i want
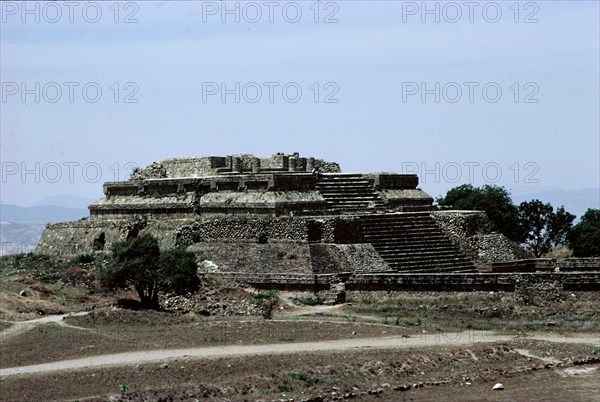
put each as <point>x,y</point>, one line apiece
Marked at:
<point>371,223</point>
<point>471,232</point>
<point>232,164</point>
<point>394,282</point>
<point>69,239</point>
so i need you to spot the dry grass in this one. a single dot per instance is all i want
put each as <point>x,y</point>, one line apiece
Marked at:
<point>122,330</point>
<point>443,372</point>
<point>108,330</point>
<point>454,311</point>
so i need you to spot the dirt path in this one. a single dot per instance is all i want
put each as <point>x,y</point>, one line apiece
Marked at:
<point>163,355</point>
<point>22,326</point>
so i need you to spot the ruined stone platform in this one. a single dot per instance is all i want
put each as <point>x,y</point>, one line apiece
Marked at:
<point>366,223</point>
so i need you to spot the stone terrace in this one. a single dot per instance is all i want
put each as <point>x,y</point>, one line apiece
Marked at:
<point>363,223</point>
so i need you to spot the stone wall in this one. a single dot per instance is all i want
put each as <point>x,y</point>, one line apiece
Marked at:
<point>126,206</point>
<point>362,258</point>
<point>514,282</point>
<point>342,230</point>
<point>273,203</point>
<point>72,238</point>
<point>243,229</point>
<point>247,256</point>
<point>527,265</point>
<point>405,200</point>
<point>579,264</point>
<point>471,232</point>
<point>68,239</point>
<point>393,181</point>
<point>548,264</point>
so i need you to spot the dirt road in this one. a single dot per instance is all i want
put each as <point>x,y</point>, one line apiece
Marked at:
<point>164,355</point>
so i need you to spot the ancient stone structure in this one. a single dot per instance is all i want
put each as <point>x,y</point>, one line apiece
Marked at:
<point>341,223</point>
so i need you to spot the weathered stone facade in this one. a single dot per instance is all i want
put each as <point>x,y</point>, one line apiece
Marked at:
<point>335,224</point>
<point>471,232</point>
<point>232,164</point>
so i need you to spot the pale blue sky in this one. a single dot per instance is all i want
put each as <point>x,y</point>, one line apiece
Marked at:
<point>368,57</point>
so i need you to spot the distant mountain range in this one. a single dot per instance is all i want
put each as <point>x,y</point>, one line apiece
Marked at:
<point>22,227</point>
<point>16,238</point>
<point>66,200</point>
<point>40,214</point>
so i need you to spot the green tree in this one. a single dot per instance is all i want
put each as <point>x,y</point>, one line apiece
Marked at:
<point>585,236</point>
<point>543,228</point>
<point>495,201</point>
<point>138,263</point>
<point>178,271</point>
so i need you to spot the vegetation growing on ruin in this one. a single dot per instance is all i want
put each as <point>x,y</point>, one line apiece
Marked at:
<point>138,263</point>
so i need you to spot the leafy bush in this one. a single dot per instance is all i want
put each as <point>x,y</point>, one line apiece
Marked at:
<point>267,310</point>
<point>262,237</point>
<point>312,300</point>
<point>85,258</point>
<point>306,378</point>
<point>266,300</point>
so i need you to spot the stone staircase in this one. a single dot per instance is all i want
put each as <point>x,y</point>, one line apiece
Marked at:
<point>413,242</point>
<point>347,192</point>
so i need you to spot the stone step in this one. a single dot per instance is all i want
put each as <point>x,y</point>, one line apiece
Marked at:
<point>389,252</point>
<point>445,256</point>
<point>336,191</point>
<point>403,221</point>
<point>413,242</point>
<point>414,245</point>
<point>343,184</point>
<point>348,201</point>
<point>400,224</point>
<point>400,229</point>
<point>424,241</point>
<point>332,177</point>
<point>408,237</point>
<point>340,182</point>
<point>433,265</point>
<point>416,251</point>
<point>400,215</point>
<point>456,269</point>
<point>342,197</point>
<point>403,235</point>
<point>428,263</point>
